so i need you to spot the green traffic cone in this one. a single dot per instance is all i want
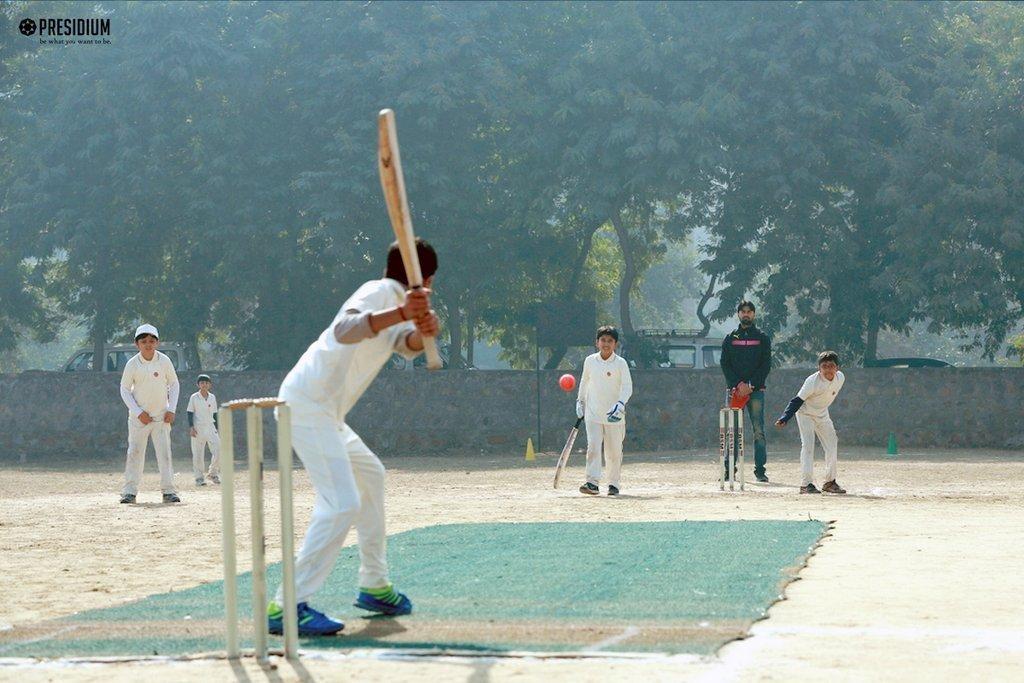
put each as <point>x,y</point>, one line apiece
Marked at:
<point>892,444</point>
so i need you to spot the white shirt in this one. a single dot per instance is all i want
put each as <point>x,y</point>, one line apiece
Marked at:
<point>602,383</point>
<point>330,376</point>
<point>202,409</point>
<point>150,386</point>
<point>818,394</point>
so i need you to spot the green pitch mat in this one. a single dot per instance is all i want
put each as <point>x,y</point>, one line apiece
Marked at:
<point>674,587</point>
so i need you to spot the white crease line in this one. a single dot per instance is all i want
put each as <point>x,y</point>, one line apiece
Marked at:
<point>626,634</point>
<point>19,643</point>
<point>968,639</point>
<point>741,657</point>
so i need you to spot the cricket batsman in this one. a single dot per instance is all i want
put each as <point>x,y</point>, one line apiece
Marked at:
<point>382,317</point>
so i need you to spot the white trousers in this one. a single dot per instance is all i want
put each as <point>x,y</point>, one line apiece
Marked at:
<point>138,437</point>
<point>823,428</point>
<point>206,435</point>
<point>349,483</point>
<point>611,437</point>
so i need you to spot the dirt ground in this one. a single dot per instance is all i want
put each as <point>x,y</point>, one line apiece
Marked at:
<point>920,578</point>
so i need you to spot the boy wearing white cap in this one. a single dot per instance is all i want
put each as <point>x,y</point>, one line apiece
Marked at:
<point>202,423</point>
<point>149,387</point>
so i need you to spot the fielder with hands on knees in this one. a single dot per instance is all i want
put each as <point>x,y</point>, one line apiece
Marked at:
<point>382,317</point>
<point>605,387</point>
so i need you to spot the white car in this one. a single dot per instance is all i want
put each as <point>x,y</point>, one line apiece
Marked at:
<point>117,356</point>
<point>676,348</point>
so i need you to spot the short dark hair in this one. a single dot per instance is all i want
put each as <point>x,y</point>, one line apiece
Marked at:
<point>746,304</point>
<point>396,269</point>
<point>203,378</point>
<point>826,356</point>
<point>144,335</point>
<point>609,330</point>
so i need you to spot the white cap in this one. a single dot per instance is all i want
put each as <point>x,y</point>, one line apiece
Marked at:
<point>146,329</point>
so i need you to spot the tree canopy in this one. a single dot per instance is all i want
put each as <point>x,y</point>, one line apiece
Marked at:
<point>856,168</point>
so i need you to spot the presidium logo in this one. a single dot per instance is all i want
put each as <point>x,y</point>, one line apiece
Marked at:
<point>67,31</point>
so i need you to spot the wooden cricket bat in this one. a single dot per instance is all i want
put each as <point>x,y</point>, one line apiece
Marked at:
<point>563,458</point>
<point>390,163</point>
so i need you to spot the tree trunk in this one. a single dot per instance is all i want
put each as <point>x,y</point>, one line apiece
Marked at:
<point>455,336</point>
<point>100,333</point>
<point>871,348</point>
<point>470,334</point>
<point>705,321</point>
<point>192,352</point>
<point>558,352</point>
<point>628,274</point>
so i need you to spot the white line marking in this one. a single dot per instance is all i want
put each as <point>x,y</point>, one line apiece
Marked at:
<point>626,634</point>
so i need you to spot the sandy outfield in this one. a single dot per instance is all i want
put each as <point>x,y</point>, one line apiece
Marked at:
<point>920,579</point>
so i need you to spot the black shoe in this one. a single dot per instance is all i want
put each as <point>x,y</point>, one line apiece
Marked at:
<point>171,498</point>
<point>128,498</point>
<point>613,490</point>
<point>761,477</point>
<point>810,488</point>
<point>589,489</point>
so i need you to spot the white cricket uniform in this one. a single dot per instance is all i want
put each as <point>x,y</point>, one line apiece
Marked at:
<point>347,477</point>
<point>150,386</point>
<point>203,410</point>
<point>602,384</point>
<point>813,419</point>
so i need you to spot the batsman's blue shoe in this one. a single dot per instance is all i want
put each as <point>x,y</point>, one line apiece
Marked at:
<point>311,622</point>
<point>393,604</point>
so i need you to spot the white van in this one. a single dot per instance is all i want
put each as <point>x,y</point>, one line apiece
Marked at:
<point>118,355</point>
<point>676,348</point>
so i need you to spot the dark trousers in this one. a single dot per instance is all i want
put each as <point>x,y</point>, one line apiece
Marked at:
<point>755,416</point>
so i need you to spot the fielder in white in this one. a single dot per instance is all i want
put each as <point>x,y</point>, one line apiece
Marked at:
<point>379,319</point>
<point>605,388</point>
<point>810,406</point>
<point>149,387</point>
<point>202,422</point>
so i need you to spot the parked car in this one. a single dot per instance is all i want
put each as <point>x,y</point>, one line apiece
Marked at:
<point>117,356</point>
<point>907,363</point>
<point>675,348</point>
<point>399,362</point>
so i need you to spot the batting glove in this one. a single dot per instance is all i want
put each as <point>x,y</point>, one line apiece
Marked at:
<point>617,411</point>
<point>579,408</point>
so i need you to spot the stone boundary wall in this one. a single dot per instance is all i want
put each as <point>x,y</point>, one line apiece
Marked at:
<point>70,415</point>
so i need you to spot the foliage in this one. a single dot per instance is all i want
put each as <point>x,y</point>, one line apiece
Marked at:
<point>856,168</point>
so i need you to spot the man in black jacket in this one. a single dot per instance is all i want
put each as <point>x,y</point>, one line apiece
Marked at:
<point>746,362</point>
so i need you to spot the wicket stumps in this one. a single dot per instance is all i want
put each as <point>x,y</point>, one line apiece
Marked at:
<point>730,435</point>
<point>253,408</point>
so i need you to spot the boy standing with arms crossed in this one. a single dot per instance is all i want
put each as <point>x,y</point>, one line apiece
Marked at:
<point>382,317</point>
<point>605,387</point>
<point>810,406</point>
<point>202,422</point>
<point>149,388</point>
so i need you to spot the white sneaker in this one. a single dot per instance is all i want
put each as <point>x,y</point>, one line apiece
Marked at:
<point>200,481</point>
